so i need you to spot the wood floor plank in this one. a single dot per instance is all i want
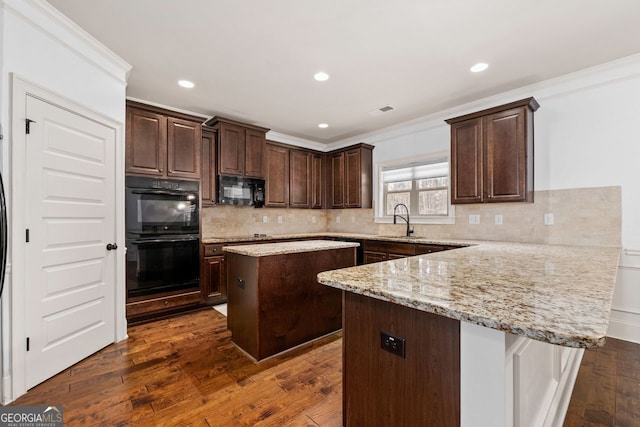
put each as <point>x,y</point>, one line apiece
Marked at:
<point>185,371</point>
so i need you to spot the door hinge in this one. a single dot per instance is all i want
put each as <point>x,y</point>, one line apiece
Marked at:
<point>27,343</point>
<point>27,235</point>
<point>28,125</point>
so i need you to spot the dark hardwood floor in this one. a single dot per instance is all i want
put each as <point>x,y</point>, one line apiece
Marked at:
<point>184,371</point>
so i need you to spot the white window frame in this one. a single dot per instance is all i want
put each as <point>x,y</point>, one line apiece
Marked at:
<point>381,217</point>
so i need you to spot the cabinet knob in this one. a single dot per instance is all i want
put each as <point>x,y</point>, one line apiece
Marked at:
<point>166,303</point>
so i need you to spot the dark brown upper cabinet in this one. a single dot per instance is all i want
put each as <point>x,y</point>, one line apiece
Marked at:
<point>277,179</point>
<point>241,148</point>
<point>492,154</point>
<point>317,181</point>
<point>294,177</point>
<point>300,178</point>
<point>209,164</point>
<point>162,143</point>
<point>349,177</point>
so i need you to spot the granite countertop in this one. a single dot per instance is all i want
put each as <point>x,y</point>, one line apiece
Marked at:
<point>355,236</point>
<point>269,249</point>
<point>551,293</point>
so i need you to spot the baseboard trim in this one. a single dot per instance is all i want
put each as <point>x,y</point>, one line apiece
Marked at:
<point>624,329</point>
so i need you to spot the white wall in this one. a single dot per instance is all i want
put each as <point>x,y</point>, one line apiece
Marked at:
<point>587,134</point>
<point>43,47</point>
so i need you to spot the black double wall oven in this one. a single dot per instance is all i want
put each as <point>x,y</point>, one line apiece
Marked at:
<point>162,226</point>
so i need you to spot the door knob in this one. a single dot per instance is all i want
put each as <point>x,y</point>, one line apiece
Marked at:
<point>112,246</point>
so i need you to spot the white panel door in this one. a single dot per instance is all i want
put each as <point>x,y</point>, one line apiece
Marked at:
<point>70,275</point>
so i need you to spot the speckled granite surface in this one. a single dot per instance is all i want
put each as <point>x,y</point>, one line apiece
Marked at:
<point>425,240</point>
<point>552,293</point>
<point>282,248</point>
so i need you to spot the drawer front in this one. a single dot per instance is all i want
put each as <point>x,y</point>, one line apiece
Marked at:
<point>211,250</point>
<point>390,247</point>
<point>427,249</point>
<point>164,303</point>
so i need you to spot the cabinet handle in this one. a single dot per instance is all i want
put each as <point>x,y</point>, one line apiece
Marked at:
<point>166,303</point>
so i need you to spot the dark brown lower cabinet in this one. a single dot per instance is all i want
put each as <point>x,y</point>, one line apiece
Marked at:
<point>376,251</point>
<point>213,279</point>
<point>213,285</point>
<point>383,389</point>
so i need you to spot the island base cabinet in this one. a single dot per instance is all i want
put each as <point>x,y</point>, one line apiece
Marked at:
<point>276,303</point>
<point>383,389</point>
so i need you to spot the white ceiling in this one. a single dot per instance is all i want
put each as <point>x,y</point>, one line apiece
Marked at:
<point>254,60</point>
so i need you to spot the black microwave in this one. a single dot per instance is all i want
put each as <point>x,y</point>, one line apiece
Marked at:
<point>234,190</point>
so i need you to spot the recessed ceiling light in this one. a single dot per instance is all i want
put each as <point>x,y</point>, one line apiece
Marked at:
<point>480,66</point>
<point>323,125</point>
<point>186,83</point>
<point>321,76</point>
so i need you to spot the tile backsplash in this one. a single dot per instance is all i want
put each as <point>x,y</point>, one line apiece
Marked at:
<point>584,216</point>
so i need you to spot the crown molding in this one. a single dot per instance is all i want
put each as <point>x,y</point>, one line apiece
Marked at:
<point>47,19</point>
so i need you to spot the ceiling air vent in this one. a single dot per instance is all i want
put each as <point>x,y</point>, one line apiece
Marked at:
<point>381,110</point>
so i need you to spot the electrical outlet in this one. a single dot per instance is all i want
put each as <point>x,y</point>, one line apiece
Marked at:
<point>548,219</point>
<point>474,219</point>
<point>265,219</point>
<point>279,219</point>
<point>393,344</point>
<point>313,219</point>
<point>353,219</point>
<point>498,219</point>
<point>338,219</point>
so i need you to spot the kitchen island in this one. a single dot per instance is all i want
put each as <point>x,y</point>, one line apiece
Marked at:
<point>487,335</point>
<point>274,300</point>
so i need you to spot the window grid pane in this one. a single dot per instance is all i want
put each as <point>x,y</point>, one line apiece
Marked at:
<point>399,186</point>
<point>394,198</point>
<point>433,202</point>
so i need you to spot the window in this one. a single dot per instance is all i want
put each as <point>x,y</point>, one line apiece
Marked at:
<point>422,186</point>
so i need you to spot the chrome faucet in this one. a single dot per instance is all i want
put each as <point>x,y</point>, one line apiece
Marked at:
<point>395,216</point>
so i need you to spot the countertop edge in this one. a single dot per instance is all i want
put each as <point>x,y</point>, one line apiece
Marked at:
<point>536,334</point>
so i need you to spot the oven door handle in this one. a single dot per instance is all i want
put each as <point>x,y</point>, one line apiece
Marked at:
<point>162,192</point>
<point>143,241</point>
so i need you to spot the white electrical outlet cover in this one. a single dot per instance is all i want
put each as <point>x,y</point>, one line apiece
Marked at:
<point>498,219</point>
<point>474,219</point>
<point>338,219</point>
<point>548,219</point>
<point>279,219</point>
<point>265,218</point>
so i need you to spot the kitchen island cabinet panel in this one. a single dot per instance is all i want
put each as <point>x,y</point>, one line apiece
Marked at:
<point>276,303</point>
<point>384,389</point>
